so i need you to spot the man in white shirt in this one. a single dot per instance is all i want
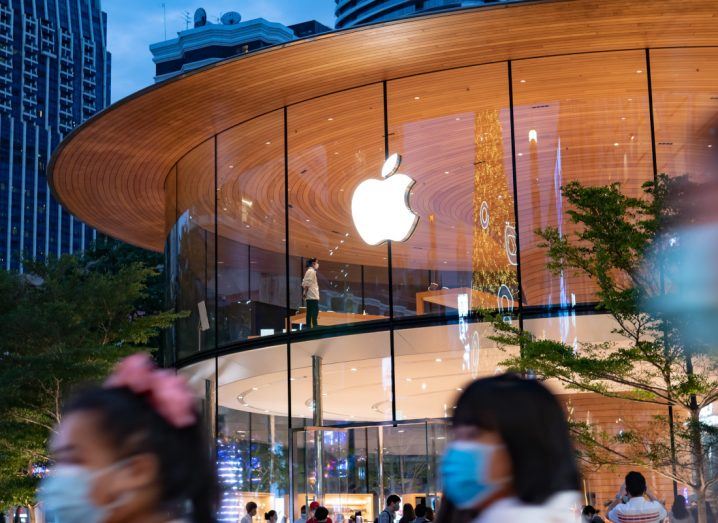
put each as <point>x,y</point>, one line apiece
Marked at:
<point>251,508</point>
<point>636,509</point>
<point>310,290</point>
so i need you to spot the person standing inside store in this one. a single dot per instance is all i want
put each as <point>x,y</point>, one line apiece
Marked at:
<point>251,509</point>
<point>393,504</point>
<point>511,458</point>
<point>310,291</point>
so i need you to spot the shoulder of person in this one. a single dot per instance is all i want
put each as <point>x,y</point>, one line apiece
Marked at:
<point>560,508</point>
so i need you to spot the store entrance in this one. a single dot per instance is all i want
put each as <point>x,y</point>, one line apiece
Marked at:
<point>351,470</point>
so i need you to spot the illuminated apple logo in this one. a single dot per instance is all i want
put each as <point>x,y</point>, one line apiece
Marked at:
<point>380,208</point>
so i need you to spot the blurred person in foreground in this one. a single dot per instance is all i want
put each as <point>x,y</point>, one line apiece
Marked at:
<point>679,513</point>
<point>511,459</point>
<point>131,451</point>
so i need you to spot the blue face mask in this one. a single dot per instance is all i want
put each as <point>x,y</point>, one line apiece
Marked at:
<point>65,495</point>
<point>465,474</point>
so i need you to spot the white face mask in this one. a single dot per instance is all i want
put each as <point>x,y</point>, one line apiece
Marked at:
<point>65,494</point>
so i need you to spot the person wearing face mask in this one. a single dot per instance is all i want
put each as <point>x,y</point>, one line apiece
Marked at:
<point>131,451</point>
<point>310,288</point>
<point>511,458</point>
<point>393,504</point>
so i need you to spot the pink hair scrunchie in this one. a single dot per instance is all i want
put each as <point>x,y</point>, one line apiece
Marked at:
<point>168,394</point>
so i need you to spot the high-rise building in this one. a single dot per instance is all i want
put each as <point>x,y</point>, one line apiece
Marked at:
<point>54,74</point>
<point>208,42</point>
<point>357,12</point>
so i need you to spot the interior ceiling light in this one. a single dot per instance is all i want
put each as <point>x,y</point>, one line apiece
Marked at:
<point>533,136</point>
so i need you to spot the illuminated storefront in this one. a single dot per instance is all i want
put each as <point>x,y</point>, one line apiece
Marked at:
<point>244,170</point>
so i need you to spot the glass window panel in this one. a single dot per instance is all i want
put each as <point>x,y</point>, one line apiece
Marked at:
<point>171,265</point>
<point>685,109</point>
<point>196,251</point>
<point>253,439</point>
<point>335,142</point>
<point>580,117</point>
<point>453,132</point>
<point>609,415</point>
<point>433,364</point>
<point>251,229</point>
<point>355,378</point>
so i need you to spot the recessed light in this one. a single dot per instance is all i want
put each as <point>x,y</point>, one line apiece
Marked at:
<point>438,360</point>
<point>307,219</point>
<point>231,166</point>
<point>267,143</point>
<point>522,81</point>
<point>255,388</point>
<point>458,119</point>
<point>615,144</point>
<point>330,119</point>
<point>623,117</point>
<point>408,379</point>
<point>710,146</point>
<point>521,154</point>
<point>639,71</point>
<point>400,431</point>
<point>417,98</point>
<point>446,172</point>
<point>459,389</point>
<point>353,369</point>
<point>423,386</point>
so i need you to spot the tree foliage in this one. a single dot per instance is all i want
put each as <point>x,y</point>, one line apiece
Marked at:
<point>65,323</point>
<point>625,245</point>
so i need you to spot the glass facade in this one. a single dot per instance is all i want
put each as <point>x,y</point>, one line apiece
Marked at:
<point>356,407</point>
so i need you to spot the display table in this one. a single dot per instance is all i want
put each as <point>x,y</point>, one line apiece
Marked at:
<point>327,318</point>
<point>450,298</point>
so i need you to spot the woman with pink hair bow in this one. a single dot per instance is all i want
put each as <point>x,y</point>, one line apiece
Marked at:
<point>131,451</point>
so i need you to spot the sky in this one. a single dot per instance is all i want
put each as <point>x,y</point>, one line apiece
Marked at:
<point>132,25</point>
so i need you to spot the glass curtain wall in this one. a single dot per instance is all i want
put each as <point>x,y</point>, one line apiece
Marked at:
<point>579,117</point>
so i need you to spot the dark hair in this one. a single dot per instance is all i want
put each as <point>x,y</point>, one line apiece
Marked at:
<point>635,484</point>
<point>269,515</point>
<point>393,498</point>
<point>532,426</point>
<point>128,423</point>
<point>429,513</point>
<point>303,510</point>
<point>321,514</point>
<point>679,507</point>
<point>420,511</point>
<point>311,261</point>
<point>407,512</point>
<point>588,510</point>
<point>250,506</point>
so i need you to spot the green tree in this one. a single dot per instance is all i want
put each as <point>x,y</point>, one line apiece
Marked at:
<point>624,245</point>
<point>65,323</point>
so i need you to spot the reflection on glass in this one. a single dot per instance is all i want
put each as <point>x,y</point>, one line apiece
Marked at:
<point>685,108</point>
<point>434,364</point>
<point>251,264</point>
<point>579,117</point>
<point>195,236</point>
<point>354,383</point>
<point>335,142</point>
<point>452,129</point>
<point>253,433</point>
<point>168,338</point>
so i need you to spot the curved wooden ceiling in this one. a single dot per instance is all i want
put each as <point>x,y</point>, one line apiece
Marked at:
<point>111,171</point>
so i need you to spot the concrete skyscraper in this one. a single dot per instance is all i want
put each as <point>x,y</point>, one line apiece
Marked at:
<point>54,74</point>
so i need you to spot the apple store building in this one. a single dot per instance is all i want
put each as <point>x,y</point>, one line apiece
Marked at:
<point>414,160</point>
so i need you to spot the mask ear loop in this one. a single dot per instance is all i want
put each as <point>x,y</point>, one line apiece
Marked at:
<point>123,498</point>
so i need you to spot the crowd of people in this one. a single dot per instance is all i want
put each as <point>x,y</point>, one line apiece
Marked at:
<point>133,451</point>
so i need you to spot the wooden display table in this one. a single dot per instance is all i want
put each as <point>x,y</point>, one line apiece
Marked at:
<point>449,298</point>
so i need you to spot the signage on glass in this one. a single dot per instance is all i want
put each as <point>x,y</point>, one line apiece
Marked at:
<point>381,209</point>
